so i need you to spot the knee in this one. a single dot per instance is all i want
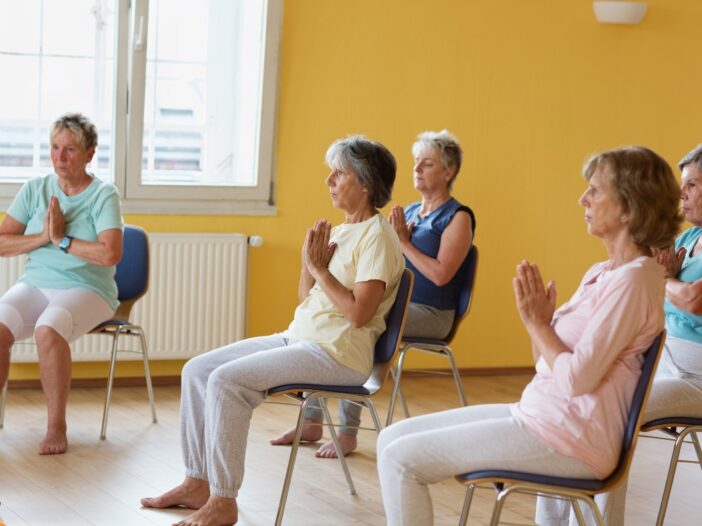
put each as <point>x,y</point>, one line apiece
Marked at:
<point>46,337</point>
<point>6,338</point>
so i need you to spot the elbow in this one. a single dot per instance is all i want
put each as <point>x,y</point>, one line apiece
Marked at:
<point>111,258</point>
<point>440,279</point>
<point>358,320</point>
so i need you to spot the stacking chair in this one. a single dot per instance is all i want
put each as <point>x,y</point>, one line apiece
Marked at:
<point>439,347</point>
<point>508,482</point>
<point>132,278</point>
<point>679,428</point>
<point>302,394</point>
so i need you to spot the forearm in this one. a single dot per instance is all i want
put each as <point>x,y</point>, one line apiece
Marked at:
<point>686,296</point>
<point>429,267</point>
<point>95,252</point>
<point>343,299</point>
<point>16,244</point>
<point>546,343</point>
<point>306,283</point>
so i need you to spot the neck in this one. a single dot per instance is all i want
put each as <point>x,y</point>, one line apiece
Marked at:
<point>74,186</point>
<point>360,214</point>
<point>431,202</point>
<point>622,249</point>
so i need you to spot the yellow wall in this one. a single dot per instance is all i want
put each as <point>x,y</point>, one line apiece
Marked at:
<point>530,88</point>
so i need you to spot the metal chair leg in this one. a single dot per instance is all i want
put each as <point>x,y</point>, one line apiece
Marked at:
<point>2,403</point>
<point>466,505</point>
<point>110,379</point>
<point>677,448</point>
<point>497,508</point>
<point>337,446</point>
<point>456,376</point>
<point>397,377</point>
<point>695,442</point>
<point>147,375</point>
<point>578,512</point>
<point>291,464</point>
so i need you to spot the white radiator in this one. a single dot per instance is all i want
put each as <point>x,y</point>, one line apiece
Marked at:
<point>196,299</point>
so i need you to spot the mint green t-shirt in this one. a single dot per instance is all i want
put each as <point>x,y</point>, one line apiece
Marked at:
<point>92,211</point>
<point>680,323</point>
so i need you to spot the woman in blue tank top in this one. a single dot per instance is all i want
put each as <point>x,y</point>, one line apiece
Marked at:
<point>436,234</point>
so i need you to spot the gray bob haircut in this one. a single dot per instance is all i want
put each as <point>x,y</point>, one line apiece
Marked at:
<point>445,144</point>
<point>80,126</point>
<point>371,162</point>
<point>694,158</point>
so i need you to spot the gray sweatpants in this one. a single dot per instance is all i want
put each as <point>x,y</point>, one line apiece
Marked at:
<point>220,390</point>
<point>427,449</point>
<point>423,321</point>
<point>676,391</point>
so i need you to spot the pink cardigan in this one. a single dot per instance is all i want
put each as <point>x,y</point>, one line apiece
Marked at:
<point>580,407</point>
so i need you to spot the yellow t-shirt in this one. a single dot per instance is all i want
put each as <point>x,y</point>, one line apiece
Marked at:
<point>365,251</point>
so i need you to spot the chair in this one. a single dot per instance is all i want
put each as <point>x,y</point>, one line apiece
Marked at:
<point>508,482</point>
<point>302,394</point>
<point>670,425</point>
<point>440,347</point>
<point>132,278</point>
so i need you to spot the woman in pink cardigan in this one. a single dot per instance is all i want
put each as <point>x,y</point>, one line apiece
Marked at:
<point>570,419</point>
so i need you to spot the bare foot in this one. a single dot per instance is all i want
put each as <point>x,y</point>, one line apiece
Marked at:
<point>347,442</point>
<point>192,493</point>
<point>218,511</point>
<point>54,443</point>
<point>311,432</point>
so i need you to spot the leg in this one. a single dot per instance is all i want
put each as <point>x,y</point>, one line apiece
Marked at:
<point>6,341</point>
<point>311,430</point>
<point>420,451</point>
<point>350,419</point>
<point>55,371</point>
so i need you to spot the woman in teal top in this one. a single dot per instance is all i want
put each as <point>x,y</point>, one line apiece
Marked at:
<point>69,224</point>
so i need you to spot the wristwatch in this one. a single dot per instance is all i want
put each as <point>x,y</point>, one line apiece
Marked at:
<point>65,243</point>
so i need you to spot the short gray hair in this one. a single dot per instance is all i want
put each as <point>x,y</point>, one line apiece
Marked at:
<point>694,158</point>
<point>371,162</point>
<point>80,126</point>
<point>445,144</point>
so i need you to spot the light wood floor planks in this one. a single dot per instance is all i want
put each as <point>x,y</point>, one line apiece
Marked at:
<point>100,483</point>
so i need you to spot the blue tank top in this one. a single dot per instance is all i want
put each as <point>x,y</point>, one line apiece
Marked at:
<point>426,236</point>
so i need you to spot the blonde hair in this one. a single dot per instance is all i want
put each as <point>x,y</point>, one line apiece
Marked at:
<point>80,126</point>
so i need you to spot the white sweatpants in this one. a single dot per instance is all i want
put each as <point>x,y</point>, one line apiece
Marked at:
<point>220,390</point>
<point>419,451</point>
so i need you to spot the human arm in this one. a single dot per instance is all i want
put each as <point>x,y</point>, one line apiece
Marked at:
<point>455,242</point>
<point>306,280</point>
<point>105,252</point>
<point>359,304</point>
<point>685,295</point>
<point>536,305</point>
<point>13,242</point>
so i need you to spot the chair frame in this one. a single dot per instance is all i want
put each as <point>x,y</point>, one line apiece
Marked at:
<point>438,347</point>
<point>303,394</point>
<point>669,425</point>
<point>118,326</point>
<point>508,482</point>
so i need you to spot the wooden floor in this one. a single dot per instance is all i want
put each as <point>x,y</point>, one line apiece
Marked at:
<point>100,483</point>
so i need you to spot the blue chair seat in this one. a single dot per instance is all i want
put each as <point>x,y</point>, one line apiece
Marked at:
<point>477,477</point>
<point>359,390</point>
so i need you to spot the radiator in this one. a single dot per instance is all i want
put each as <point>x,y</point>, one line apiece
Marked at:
<point>196,299</point>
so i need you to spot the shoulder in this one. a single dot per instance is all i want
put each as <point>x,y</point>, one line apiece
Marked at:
<point>642,273</point>
<point>689,236</point>
<point>457,207</point>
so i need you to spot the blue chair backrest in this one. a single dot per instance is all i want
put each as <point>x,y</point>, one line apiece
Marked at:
<point>132,275</point>
<point>387,343</point>
<point>633,424</point>
<point>468,271</point>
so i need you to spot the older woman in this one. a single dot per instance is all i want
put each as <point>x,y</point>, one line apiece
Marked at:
<point>570,419</point>
<point>348,283</point>
<point>436,234</point>
<point>69,224</point>
<point>677,386</point>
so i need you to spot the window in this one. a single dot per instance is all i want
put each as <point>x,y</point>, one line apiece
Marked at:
<point>183,93</point>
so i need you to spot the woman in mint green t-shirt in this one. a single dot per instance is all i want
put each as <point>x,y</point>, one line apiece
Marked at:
<point>69,224</point>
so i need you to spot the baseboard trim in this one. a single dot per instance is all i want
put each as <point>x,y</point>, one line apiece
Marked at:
<point>137,381</point>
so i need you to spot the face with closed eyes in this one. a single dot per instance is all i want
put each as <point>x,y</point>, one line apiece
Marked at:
<point>68,155</point>
<point>430,174</point>
<point>691,194</point>
<point>345,190</point>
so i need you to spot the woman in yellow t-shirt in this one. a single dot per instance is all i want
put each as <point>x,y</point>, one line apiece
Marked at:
<point>348,283</point>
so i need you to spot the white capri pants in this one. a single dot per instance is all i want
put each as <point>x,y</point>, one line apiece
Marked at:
<point>70,312</point>
<point>427,449</point>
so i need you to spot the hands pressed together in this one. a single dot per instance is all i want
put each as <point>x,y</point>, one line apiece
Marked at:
<point>535,303</point>
<point>317,251</point>
<point>54,222</point>
<point>402,228</point>
<point>671,260</point>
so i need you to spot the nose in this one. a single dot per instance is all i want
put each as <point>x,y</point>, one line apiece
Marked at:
<point>330,180</point>
<point>417,168</point>
<point>583,199</point>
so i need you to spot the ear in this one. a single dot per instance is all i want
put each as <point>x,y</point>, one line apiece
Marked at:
<point>90,153</point>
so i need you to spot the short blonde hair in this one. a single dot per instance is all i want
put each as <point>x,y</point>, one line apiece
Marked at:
<point>644,183</point>
<point>445,144</point>
<point>80,126</point>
